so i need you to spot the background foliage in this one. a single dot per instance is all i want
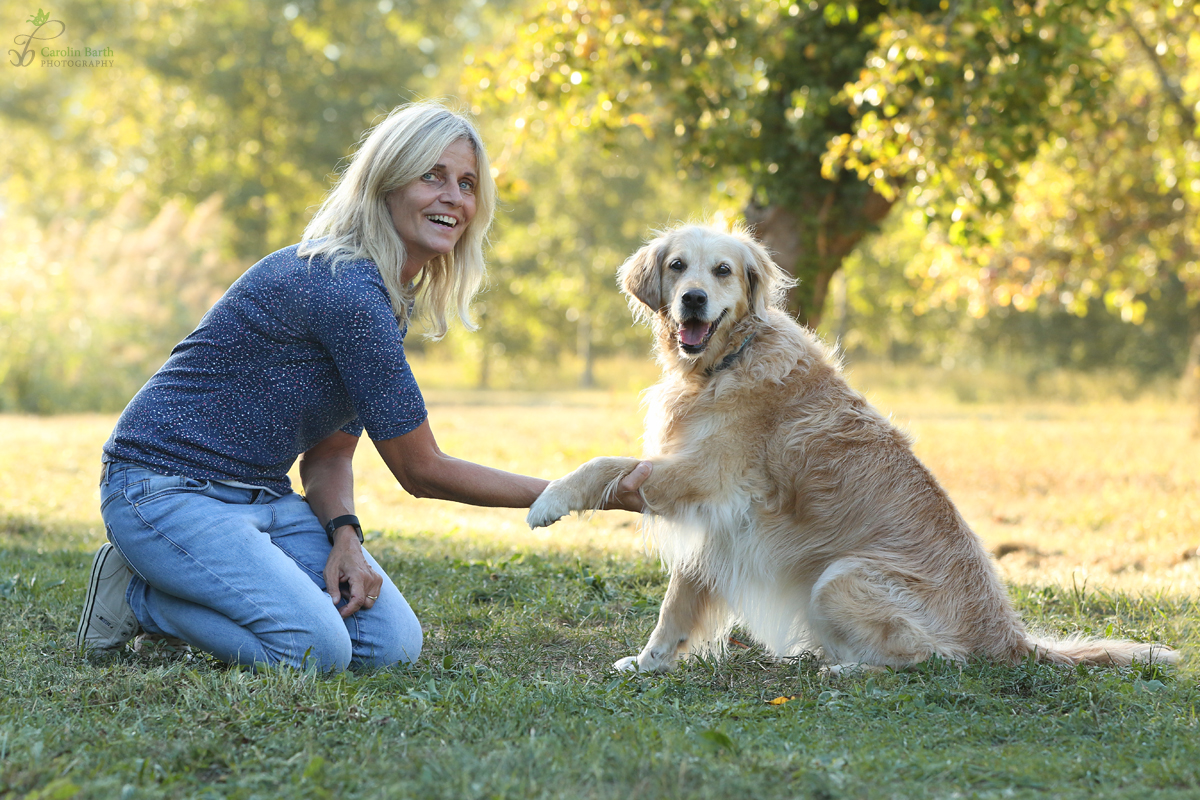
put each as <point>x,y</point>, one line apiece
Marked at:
<point>982,182</point>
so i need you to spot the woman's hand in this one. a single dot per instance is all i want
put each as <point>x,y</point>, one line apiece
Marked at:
<point>347,565</point>
<point>628,496</point>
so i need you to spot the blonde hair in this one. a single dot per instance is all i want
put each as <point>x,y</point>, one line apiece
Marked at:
<point>354,221</point>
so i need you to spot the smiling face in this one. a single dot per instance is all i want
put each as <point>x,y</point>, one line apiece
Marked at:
<point>697,284</point>
<point>431,213</point>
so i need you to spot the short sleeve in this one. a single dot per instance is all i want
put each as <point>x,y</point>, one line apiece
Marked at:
<point>351,316</point>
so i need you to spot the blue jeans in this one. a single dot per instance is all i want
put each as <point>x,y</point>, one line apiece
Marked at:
<point>238,572</point>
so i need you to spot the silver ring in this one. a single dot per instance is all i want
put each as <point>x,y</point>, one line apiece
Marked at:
<point>372,597</point>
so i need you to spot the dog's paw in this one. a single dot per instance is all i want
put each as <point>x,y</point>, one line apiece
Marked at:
<point>548,509</point>
<point>627,664</point>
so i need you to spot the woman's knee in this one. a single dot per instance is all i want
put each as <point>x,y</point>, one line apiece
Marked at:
<point>323,645</point>
<point>395,637</point>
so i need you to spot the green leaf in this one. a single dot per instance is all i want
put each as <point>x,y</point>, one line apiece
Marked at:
<point>314,769</point>
<point>718,740</point>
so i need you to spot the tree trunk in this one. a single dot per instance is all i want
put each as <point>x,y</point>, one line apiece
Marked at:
<point>583,350</point>
<point>1191,380</point>
<point>810,242</point>
<point>485,367</point>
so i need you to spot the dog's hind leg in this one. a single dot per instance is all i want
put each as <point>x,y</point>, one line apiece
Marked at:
<point>690,616</point>
<point>864,616</point>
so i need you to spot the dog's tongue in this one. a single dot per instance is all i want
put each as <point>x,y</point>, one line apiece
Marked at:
<point>693,333</point>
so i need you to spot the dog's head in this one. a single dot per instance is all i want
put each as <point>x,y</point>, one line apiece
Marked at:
<point>697,284</point>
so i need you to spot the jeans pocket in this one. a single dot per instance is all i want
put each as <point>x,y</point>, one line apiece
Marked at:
<point>109,491</point>
<point>148,487</point>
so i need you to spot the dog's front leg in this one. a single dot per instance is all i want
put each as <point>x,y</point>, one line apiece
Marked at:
<point>586,488</point>
<point>684,611</point>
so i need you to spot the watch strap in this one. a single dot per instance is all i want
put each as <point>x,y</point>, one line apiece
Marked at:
<point>337,522</point>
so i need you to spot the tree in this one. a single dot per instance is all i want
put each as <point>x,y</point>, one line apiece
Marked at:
<point>257,102</point>
<point>134,194</point>
<point>577,212</point>
<point>752,94</point>
<point>1107,212</point>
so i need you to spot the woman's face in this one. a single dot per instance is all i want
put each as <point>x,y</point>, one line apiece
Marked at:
<point>431,213</point>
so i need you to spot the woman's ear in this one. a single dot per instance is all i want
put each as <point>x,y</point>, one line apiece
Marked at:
<point>640,277</point>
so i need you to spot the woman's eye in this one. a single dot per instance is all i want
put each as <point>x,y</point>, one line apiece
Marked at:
<point>676,265</point>
<point>466,186</point>
<point>428,176</point>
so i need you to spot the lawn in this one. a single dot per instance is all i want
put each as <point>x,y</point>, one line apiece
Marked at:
<point>1094,509</point>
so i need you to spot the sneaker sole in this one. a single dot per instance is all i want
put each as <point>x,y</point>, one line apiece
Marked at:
<point>89,602</point>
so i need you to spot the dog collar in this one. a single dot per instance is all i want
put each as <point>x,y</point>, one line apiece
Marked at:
<point>727,362</point>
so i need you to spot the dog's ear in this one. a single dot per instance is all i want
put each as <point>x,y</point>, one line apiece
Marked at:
<point>640,276</point>
<point>767,282</point>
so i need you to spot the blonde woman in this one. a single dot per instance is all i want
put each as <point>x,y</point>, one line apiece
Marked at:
<point>208,543</point>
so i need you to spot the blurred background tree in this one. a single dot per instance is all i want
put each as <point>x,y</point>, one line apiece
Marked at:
<point>757,90</point>
<point>1103,217</point>
<point>576,211</point>
<point>257,102</point>
<point>979,182</point>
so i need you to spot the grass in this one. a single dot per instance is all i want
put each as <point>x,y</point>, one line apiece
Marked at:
<point>513,696</point>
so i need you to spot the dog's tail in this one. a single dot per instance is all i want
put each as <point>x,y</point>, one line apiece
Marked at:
<point>1114,652</point>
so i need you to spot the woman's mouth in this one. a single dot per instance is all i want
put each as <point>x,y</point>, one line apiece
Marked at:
<point>445,220</point>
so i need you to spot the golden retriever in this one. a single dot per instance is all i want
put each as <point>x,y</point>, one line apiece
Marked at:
<point>781,500</point>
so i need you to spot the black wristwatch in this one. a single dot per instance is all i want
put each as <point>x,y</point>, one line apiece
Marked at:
<point>337,522</point>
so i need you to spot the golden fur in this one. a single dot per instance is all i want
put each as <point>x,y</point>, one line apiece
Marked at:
<point>781,500</point>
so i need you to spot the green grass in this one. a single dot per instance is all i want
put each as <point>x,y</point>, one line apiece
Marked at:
<point>514,696</point>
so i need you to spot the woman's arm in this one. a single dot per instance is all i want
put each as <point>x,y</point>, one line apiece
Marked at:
<point>425,471</point>
<point>326,470</point>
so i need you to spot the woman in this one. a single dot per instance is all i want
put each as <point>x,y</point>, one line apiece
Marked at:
<point>208,542</point>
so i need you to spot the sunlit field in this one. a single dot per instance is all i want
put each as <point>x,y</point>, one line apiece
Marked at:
<point>1103,494</point>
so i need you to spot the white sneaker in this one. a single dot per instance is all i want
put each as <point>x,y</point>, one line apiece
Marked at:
<point>107,622</point>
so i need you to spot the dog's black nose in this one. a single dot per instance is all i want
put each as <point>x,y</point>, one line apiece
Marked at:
<point>694,299</point>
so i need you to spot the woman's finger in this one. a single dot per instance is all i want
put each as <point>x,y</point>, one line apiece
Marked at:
<point>333,578</point>
<point>373,585</point>
<point>628,494</point>
<point>358,595</point>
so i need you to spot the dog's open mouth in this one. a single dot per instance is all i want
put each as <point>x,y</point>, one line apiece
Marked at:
<point>693,334</point>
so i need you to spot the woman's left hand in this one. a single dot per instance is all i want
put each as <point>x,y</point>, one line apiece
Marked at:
<point>347,565</point>
<point>628,496</point>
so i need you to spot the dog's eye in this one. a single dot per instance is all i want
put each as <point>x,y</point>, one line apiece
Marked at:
<point>722,270</point>
<point>676,265</point>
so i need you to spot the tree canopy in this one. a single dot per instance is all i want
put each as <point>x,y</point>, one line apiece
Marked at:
<point>819,114</point>
<point>255,102</point>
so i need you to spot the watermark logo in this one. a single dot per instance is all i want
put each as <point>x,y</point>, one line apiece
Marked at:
<point>46,29</point>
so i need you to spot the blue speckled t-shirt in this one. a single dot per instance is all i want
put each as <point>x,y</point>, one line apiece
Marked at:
<point>290,354</point>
